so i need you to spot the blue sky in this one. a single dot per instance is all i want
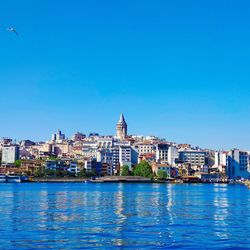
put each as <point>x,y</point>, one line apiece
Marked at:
<point>177,69</point>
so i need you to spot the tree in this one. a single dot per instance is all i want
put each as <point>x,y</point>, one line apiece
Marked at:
<point>82,173</point>
<point>53,158</point>
<point>39,173</point>
<point>161,174</point>
<point>50,172</point>
<point>125,170</point>
<point>61,173</point>
<point>143,169</point>
<point>18,163</point>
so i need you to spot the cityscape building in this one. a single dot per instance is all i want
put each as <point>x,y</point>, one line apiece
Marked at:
<point>10,154</point>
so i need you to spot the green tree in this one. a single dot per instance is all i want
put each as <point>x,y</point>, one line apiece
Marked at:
<point>53,158</point>
<point>143,169</point>
<point>39,173</point>
<point>92,173</point>
<point>61,173</point>
<point>50,172</point>
<point>70,174</point>
<point>125,170</point>
<point>161,174</point>
<point>18,163</point>
<point>82,173</point>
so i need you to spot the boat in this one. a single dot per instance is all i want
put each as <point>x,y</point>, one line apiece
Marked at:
<point>13,179</point>
<point>3,178</point>
<point>24,178</point>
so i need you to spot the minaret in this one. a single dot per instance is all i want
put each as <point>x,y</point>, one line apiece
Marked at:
<point>121,128</point>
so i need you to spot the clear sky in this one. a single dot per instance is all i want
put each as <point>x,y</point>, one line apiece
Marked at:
<point>177,69</point>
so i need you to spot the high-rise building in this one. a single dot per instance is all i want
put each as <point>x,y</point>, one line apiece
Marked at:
<point>115,159</point>
<point>220,159</point>
<point>194,157</point>
<point>10,154</point>
<point>125,156</point>
<point>121,128</point>
<point>166,153</point>
<point>58,136</point>
<point>162,152</point>
<point>173,155</point>
<point>238,164</point>
<point>145,148</point>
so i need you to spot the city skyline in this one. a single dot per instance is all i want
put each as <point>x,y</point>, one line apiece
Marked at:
<point>108,155</point>
<point>177,70</point>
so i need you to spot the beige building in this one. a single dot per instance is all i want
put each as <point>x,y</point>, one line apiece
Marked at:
<point>145,148</point>
<point>61,148</point>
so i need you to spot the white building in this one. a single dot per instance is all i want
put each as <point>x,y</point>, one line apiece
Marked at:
<point>125,156</point>
<point>74,168</point>
<point>91,165</point>
<point>238,164</point>
<point>115,159</point>
<point>105,156</point>
<point>89,149</point>
<point>58,137</point>
<point>220,160</point>
<point>88,165</point>
<point>173,154</point>
<point>10,154</point>
<point>162,152</point>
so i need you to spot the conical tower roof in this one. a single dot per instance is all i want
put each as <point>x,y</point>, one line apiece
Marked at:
<point>121,119</point>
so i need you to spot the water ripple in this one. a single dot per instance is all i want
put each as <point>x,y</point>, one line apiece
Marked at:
<point>124,216</point>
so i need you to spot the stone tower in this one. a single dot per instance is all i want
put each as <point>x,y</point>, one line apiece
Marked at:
<point>121,128</point>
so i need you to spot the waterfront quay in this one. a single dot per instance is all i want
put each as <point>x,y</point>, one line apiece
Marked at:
<point>135,179</point>
<point>109,179</point>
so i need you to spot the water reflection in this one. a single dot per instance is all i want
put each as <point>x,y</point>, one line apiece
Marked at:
<point>221,211</point>
<point>142,216</point>
<point>119,206</point>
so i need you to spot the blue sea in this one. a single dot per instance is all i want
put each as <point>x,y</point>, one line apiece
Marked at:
<point>124,216</point>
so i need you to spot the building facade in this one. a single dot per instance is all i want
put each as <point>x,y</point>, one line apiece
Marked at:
<point>58,136</point>
<point>10,154</point>
<point>238,164</point>
<point>162,152</point>
<point>173,155</point>
<point>125,156</point>
<point>145,148</point>
<point>194,157</point>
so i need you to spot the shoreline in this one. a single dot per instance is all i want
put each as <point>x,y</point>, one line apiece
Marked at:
<point>58,180</point>
<point>117,179</point>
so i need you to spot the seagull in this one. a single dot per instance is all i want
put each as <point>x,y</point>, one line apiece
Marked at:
<point>11,29</point>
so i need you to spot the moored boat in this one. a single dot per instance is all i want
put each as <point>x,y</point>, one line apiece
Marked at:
<point>3,178</point>
<point>13,179</point>
<point>24,178</point>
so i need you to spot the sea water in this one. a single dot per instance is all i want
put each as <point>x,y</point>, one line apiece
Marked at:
<point>124,216</point>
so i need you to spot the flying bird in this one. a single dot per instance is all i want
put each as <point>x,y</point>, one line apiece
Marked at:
<point>11,29</point>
